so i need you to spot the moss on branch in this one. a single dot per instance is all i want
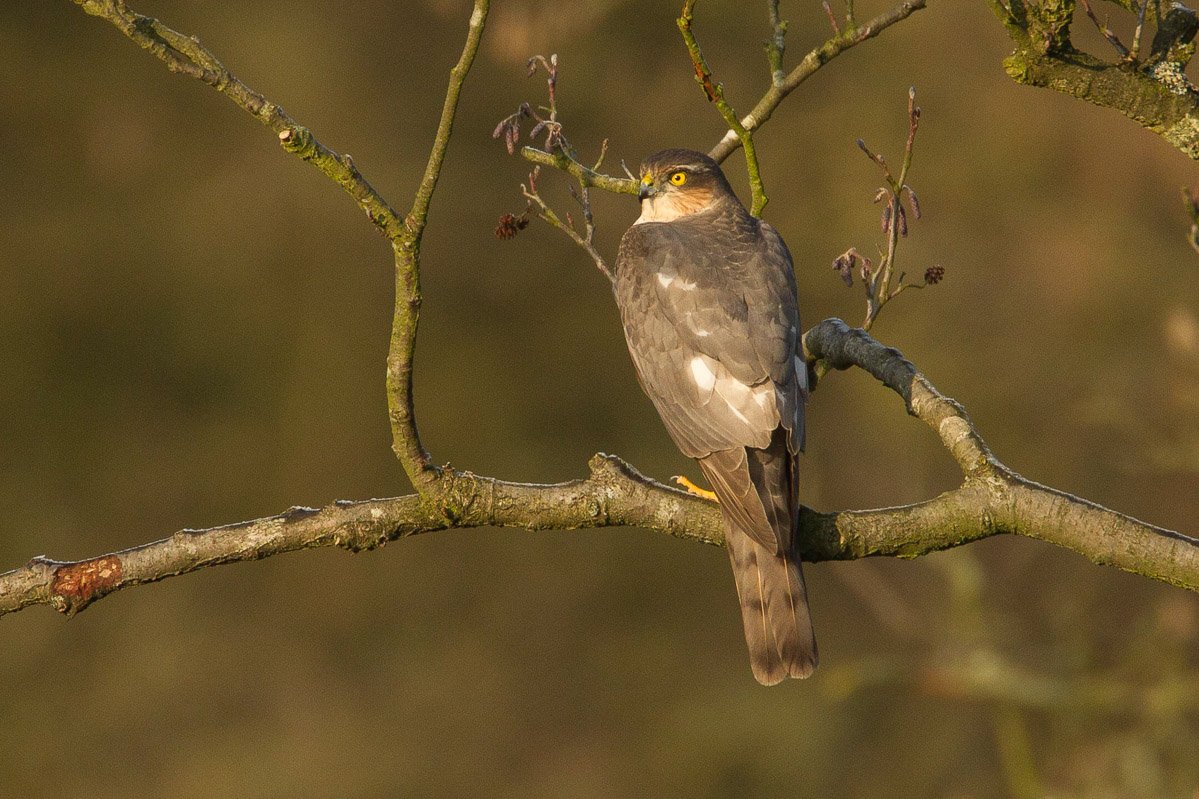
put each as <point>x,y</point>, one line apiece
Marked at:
<point>1151,90</point>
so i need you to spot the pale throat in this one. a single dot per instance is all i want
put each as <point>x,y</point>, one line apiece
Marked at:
<point>668,206</point>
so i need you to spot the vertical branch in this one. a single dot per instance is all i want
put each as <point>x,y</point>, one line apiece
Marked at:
<point>898,221</point>
<point>715,92</point>
<point>1136,36</point>
<point>877,282</point>
<point>405,438</point>
<point>777,43</point>
<point>424,194</point>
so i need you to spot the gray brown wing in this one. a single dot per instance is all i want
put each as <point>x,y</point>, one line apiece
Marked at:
<point>713,333</point>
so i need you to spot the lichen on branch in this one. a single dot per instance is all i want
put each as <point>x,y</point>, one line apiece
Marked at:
<point>1150,88</point>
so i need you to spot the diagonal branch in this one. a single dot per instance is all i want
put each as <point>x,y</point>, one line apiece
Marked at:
<point>813,61</point>
<point>994,499</point>
<point>185,54</point>
<point>843,40</point>
<point>715,94</point>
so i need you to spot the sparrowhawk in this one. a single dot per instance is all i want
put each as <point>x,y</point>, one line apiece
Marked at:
<point>708,302</point>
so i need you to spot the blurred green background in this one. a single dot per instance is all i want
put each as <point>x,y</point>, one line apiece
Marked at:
<point>193,328</point>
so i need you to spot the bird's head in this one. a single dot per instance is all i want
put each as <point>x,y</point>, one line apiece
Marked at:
<point>676,183</point>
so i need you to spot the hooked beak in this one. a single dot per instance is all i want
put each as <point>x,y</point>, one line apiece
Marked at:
<point>646,189</point>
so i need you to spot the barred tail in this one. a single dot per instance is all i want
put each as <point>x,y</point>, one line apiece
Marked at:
<point>774,609</point>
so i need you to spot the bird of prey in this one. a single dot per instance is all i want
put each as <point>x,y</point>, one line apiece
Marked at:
<point>708,302</point>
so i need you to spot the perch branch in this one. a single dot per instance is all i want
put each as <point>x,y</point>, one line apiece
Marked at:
<point>991,500</point>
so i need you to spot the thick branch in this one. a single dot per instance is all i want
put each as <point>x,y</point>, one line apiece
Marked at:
<point>992,500</point>
<point>1154,92</point>
<point>995,499</point>
<point>614,494</point>
<point>1170,110</point>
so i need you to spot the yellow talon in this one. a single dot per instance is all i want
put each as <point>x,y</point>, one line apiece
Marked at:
<point>692,488</point>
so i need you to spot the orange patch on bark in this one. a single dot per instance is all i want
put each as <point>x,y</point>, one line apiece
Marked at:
<point>83,580</point>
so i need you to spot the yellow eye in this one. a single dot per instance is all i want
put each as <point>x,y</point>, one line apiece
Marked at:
<point>678,178</point>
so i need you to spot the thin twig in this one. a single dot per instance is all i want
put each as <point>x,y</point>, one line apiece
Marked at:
<point>715,93</point>
<point>1136,36</point>
<point>777,44</point>
<point>878,282</point>
<point>811,63</point>
<point>546,214</point>
<point>560,151</point>
<point>1107,33</point>
<point>832,18</point>
<point>585,175</point>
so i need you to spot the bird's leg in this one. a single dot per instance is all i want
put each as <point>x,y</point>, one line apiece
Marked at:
<point>692,488</point>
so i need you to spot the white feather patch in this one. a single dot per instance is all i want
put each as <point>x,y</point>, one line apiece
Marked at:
<point>703,375</point>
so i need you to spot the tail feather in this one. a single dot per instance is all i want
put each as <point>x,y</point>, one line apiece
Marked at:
<point>759,504</point>
<point>774,610</point>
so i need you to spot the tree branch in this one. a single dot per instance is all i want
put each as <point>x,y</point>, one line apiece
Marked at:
<point>400,404</point>
<point>992,500</point>
<point>715,94</point>
<point>185,54</point>
<point>1154,91</point>
<point>584,174</point>
<point>852,36</point>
